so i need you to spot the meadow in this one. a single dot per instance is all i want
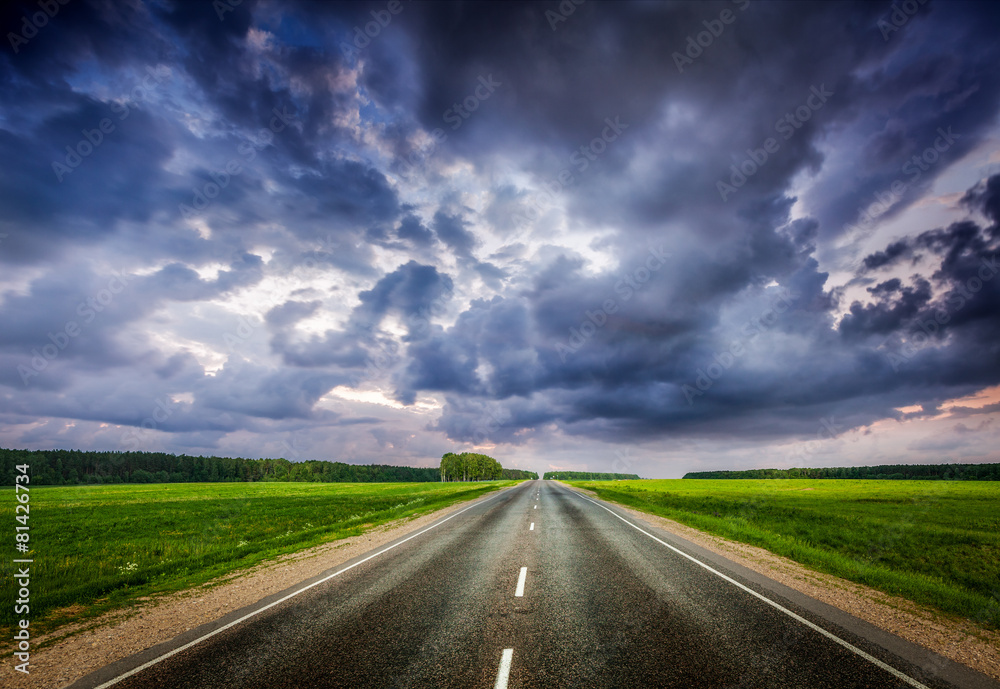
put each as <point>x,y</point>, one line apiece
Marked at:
<point>936,543</point>
<point>97,548</point>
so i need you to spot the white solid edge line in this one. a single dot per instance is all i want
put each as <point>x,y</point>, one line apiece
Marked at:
<point>532,527</point>
<point>223,628</point>
<point>504,672</point>
<point>833,637</point>
<point>520,582</point>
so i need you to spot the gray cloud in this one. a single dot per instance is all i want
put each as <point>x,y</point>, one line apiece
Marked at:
<point>559,265</point>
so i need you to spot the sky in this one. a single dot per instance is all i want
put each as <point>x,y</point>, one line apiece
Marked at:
<point>638,237</point>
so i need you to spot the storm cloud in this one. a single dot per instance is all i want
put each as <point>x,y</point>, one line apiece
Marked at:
<point>697,235</point>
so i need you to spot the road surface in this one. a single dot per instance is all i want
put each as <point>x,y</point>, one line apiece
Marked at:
<point>538,586</point>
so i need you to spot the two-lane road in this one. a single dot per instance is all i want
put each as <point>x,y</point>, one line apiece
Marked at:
<point>537,586</point>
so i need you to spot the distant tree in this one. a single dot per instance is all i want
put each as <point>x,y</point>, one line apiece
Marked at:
<point>588,476</point>
<point>141,476</point>
<point>920,472</point>
<point>472,466</point>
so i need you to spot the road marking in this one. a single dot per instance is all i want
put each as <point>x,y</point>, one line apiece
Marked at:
<point>519,593</point>
<point>535,507</point>
<point>850,647</point>
<point>223,628</point>
<point>532,527</point>
<point>504,671</point>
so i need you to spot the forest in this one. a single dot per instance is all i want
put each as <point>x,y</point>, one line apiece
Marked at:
<point>71,467</point>
<point>899,472</point>
<point>588,476</point>
<point>74,467</point>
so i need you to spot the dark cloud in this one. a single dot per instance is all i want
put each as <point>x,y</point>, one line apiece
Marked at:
<point>408,291</point>
<point>290,312</point>
<point>985,197</point>
<point>348,191</point>
<point>628,375</point>
<point>522,220</point>
<point>452,230</point>
<point>52,194</point>
<point>413,292</point>
<point>892,254</point>
<point>412,229</point>
<point>895,306</point>
<point>246,388</point>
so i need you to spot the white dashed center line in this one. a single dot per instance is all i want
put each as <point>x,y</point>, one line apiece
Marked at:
<point>532,527</point>
<point>504,671</point>
<point>519,593</point>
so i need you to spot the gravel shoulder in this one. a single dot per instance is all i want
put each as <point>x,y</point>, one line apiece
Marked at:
<point>956,639</point>
<point>122,633</point>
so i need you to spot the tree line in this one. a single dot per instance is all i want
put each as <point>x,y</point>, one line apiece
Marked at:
<point>72,467</point>
<point>918,472</point>
<point>588,476</point>
<point>471,466</point>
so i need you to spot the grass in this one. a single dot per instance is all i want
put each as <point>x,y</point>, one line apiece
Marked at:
<point>936,543</point>
<point>99,548</point>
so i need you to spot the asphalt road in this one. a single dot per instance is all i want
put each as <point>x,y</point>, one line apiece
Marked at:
<point>605,601</point>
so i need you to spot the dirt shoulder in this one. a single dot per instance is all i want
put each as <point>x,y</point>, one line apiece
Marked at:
<point>956,639</point>
<point>123,633</point>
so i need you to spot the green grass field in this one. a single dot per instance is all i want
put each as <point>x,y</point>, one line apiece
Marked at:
<point>934,542</point>
<point>97,548</point>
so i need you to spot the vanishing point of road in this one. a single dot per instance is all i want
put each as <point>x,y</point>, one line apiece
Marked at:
<point>538,586</point>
